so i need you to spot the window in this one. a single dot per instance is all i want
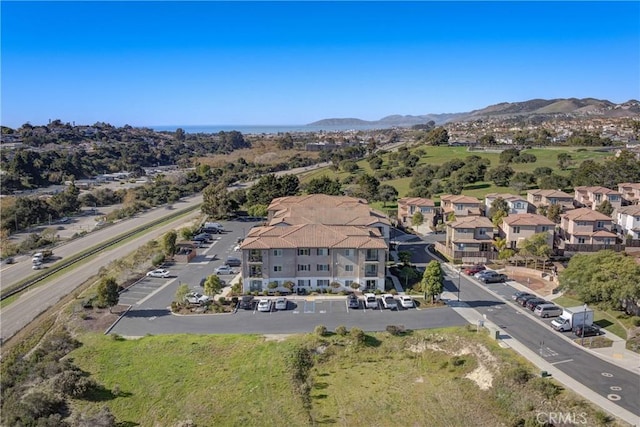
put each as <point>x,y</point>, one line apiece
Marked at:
<point>599,224</point>
<point>323,283</point>
<point>349,252</point>
<point>580,240</point>
<point>322,251</point>
<point>277,252</point>
<point>371,284</point>
<point>255,285</point>
<point>516,229</point>
<point>277,268</point>
<point>304,251</point>
<point>304,282</point>
<point>459,207</point>
<point>371,255</point>
<point>322,267</point>
<point>370,270</point>
<point>482,231</point>
<point>348,283</point>
<point>545,228</point>
<point>484,247</point>
<point>348,268</point>
<point>425,210</point>
<point>518,205</point>
<point>304,267</point>
<point>513,244</point>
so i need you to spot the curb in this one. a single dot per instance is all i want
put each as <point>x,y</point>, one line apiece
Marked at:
<point>117,320</point>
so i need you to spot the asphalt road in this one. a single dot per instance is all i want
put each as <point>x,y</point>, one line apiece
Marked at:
<point>610,381</point>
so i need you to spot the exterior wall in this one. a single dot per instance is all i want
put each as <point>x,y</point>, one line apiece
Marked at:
<point>629,224</point>
<point>258,268</point>
<point>513,234</point>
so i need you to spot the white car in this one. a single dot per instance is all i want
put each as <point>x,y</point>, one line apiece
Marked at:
<point>406,301</point>
<point>370,300</point>
<point>281,303</point>
<point>158,273</point>
<point>224,269</point>
<point>389,302</point>
<point>264,305</point>
<point>196,298</point>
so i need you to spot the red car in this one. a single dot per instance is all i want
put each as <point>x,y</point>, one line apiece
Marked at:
<point>470,271</point>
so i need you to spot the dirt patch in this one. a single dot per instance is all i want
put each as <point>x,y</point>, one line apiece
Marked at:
<point>276,337</point>
<point>95,319</point>
<point>532,280</point>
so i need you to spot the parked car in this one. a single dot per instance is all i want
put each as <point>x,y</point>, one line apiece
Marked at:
<point>158,273</point>
<point>589,331</point>
<point>224,269</point>
<point>493,277</point>
<point>406,301</point>
<point>264,305</point>
<point>470,271</point>
<point>370,300</point>
<point>522,300</point>
<point>547,310</point>
<point>389,302</point>
<point>352,301</point>
<point>196,298</point>
<point>281,303</point>
<point>481,273</point>
<point>534,302</point>
<point>246,302</point>
<point>202,237</point>
<point>233,262</point>
<point>519,294</point>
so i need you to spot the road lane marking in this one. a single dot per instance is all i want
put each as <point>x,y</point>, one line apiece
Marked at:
<point>562,361</point>
<point>155,292</point>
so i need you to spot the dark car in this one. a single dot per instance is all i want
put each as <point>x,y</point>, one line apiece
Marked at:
<point>470,271</point>
<point>534,302</point>
<point>492,277</point>
<point>246,302</point>
<point>589,331</point>
<point>519,294</point>
<point>352,301</point>
<point>233,262</point>
<point>523,299</point>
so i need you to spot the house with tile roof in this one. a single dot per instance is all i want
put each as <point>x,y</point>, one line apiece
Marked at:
<point>460,206</point>
<point>407,206</point>
<point>516,228</point>
<point>318,243</point>
<point>592,197</point>
<point>550,197</point>
<point>469,240</point>
<point>627,221</point>
<point>630,192</point>
<point>586,230</point>
<point>517,204</point>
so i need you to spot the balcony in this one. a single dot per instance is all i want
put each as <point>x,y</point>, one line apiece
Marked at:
<point>255,258</point>
<point>370,273</point>
<point>372,258</point>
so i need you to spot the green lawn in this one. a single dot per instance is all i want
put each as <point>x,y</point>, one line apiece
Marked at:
<point>386,380</point>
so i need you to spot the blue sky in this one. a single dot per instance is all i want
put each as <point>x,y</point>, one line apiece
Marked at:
<point>286,63</point>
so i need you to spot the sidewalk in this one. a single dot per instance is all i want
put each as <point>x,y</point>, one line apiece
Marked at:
<point>475,318</point>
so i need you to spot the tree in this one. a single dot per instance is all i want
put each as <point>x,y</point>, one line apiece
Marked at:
<point>554,212</point>
<point>108,295</point>
<point>500,175</point>
<point>487,139</point>
<point>432,280</point>
<point>216,202</point>
<point>375,162</point>
<point>169,243</point>
<point>498,210</point>
<point>437,136</point>
<point>368,186</point>
<point>404,257</point>
<point>182,292</point>
<point>417,219</point>
<point>387,193</point>
<point>258,210</point>
<point>324,185</point>
<point>564,160</point>
<point>212,285</point>
<point>508,155</point>
<point>605,277</point>
<point>605,208</point>
<point>537,247</point>
<point>407,272</point>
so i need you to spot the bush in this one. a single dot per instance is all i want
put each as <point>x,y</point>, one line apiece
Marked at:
<point>458,361</point>
<point>358,336</point>
<point>223,301</point>
<point>234,300</point>
<point>518,375</point>
<point>158,260</point>
<point>320,330</point>
<point>396,329</point>
<point>636,321</point>
<point>174,306</point>
<point>393,291</point>
<point>341,330</point>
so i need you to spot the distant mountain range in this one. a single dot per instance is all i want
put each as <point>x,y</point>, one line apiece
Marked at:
<point>544,107</point>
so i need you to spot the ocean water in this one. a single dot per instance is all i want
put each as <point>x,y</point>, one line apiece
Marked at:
<point>258,129</point>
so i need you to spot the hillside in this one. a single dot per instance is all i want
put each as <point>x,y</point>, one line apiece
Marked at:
<point>570,106</point>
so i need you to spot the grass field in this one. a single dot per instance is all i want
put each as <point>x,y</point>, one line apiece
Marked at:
<point>546,157</point>
<point>434,378</point>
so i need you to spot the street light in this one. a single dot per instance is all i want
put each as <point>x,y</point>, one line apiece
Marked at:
<point>459,270</point>
<point>584,318</point>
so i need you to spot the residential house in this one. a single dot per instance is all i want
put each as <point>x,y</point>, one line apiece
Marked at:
<point>407,206</point>
<point>586,230</point>
<point>517,204</point>
<point>317,242</point>
<point>627,221</point>
<point>592,197</point>
<point>460,206</point>
<point>469,239</point>
<point>630,192</point>
<point>539,198</point>
<point>518,227</point>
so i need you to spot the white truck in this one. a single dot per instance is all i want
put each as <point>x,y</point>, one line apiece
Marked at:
<point>572,317</point>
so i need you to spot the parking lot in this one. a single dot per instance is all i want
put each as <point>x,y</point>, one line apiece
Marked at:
<point>322,305</point>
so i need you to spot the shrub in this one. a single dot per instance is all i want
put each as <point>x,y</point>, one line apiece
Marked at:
<point>320,330</point>
<point>174,306</point>
<point>234,300</point>
<point>341,330</point>
<point>223,300</point>
<point>518,375</point>
<point>458,361</point>
<point>393,291</point>
<point>548,389</point>
<point>358,336</point>
<point>636,321</point>
<point>157,259</point>
<point>396,329</point>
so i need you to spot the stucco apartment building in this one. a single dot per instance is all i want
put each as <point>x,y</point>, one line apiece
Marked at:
<point>469,240</point>
<point>592,197</point>
<point>460,206</point>
<point>317,242</point>
<point>517,204</point>
<point>539,198</point>
<point>585,230</point>
<point>630,192</point>
<point>518,227</point>
<point>627,221</point>
<point>408,206</point>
